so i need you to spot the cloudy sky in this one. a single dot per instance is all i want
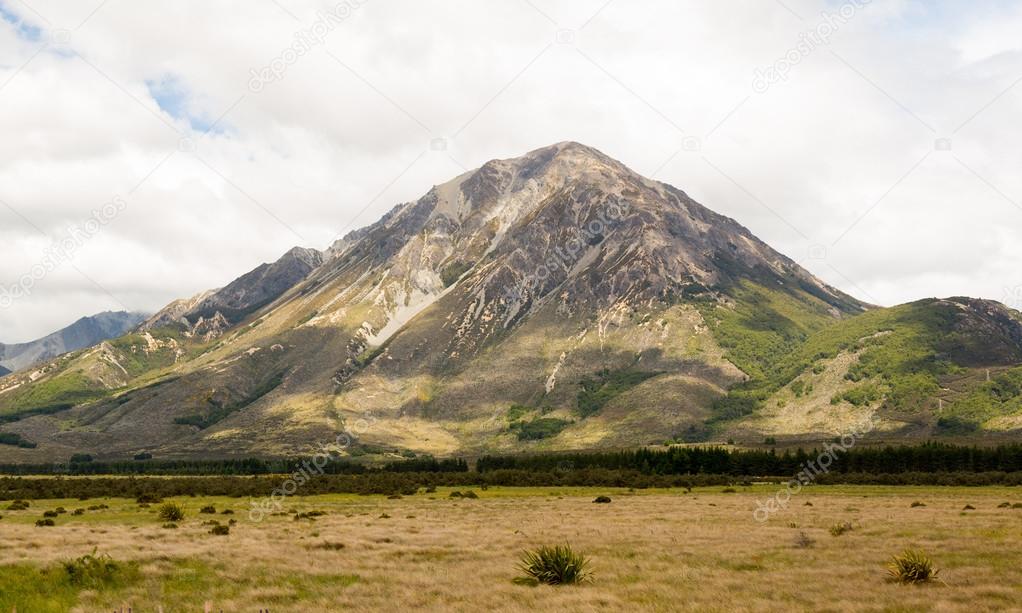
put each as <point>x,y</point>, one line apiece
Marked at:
<point>152,149</point>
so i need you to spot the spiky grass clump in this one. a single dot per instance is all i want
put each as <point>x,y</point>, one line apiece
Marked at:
<point>171,512</point>
<point>559,565</point>
<point>840,528</point>
<point>912,567</point>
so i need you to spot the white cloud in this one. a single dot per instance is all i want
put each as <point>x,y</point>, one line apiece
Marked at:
<point>344,134</point>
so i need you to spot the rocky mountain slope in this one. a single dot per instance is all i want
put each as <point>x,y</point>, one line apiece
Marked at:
<point>551,301</point>
<point>85,332</point>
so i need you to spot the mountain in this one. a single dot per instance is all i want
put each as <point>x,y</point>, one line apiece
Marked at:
<point>557,300</point>
<point>213,311</point>
<point>85,332</point>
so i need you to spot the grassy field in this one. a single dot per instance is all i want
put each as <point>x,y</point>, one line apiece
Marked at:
<point>655,550</point>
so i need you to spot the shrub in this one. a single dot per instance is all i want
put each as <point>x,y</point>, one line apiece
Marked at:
<point>559,565</point>
<point>45,522</point>
<point>78,512</point>
<point>968,507</point>
<point>840,528</point>
<point>916,505</point>
<point>171,512</point>
<point>1004,505</point>
<point>92,571</point>
<point>602,500</point>
<point>170,526</point>
<point>148,499</point>
<point>804,541</point>
<point>231,512</point>
<point>911,567</point>
<point>220,530</point>
<point>50,513</point>
<point>21,505</point>
<point>728,490</point>
<point>208,510</point>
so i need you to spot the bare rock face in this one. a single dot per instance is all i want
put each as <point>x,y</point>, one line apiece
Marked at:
<point>174,313</point>
<point>257,288</point>
<point>564,220</point>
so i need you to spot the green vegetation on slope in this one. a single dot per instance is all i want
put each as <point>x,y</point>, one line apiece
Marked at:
<point>1002,395</point>
<point>597,391</point>
<point>96,374</point>
<point>540,428</point>
<point>760,332</point>
<point>904,352</point>
<point>219,412</point>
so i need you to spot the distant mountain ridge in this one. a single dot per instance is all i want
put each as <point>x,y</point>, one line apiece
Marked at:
<point>556,300</point>
<point>85,332</point>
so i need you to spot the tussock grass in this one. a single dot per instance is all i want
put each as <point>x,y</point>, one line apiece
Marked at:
<point>171,512</point>
<point>840,528</point>
<point>558,565</point>
<point>911,567</point>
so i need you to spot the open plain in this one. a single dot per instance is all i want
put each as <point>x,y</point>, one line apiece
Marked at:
<point>650,550</point>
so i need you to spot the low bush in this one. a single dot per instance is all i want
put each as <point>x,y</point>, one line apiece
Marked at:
<point>45,522</point>
<point>804,541</point>
<point>220,530</point>
<point>602,500</point>
<point>917,504</point>
<point>92,571</point>
<point>208,510</point>
<point>559,565</point>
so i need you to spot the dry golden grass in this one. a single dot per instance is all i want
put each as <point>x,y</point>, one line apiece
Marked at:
<point>650,551</point>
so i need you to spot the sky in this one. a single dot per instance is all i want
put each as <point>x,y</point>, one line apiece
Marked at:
<point>152,150</point>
